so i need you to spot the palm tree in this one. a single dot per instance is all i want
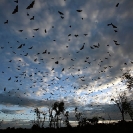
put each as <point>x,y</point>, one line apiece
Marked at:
<point>58,107</point>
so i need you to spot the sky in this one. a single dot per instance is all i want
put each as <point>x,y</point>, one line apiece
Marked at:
<point>63,50</point>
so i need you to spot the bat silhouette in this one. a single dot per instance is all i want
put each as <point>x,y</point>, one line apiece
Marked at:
<point>79,10</point>
<point>16,1</point>
<point>15,10</point>
<point>31,5</point>
<point>60,13</point>
<point>6,22</point>
<point>117,4</point>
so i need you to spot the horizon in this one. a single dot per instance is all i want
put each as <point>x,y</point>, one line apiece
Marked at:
<point>46,125</point>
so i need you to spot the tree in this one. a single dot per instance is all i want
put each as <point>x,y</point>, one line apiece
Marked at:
<point>124,105</point>
<point>128,109</point>
<point>58,107</point>
<point>78,116</point>
<point>50,118</point>
<point>82,121</point>
<point>94,120</point>
<point>128,79</point>
<point>44,118</point>
<point>39,122</point>
<point>120,104</point>
<point>37,111</point>
<point>66,121</point>
<point>1,122</point>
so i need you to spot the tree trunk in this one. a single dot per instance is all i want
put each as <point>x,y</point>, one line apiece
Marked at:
<point>122,113</point>
<point>57,122</point>
<point>54,122</point>
<point>60,123</point>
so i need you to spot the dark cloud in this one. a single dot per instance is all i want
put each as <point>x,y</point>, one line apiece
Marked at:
<point>8,111</point>
<point>22,101</point>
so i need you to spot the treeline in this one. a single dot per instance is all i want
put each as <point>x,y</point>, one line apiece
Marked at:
<point>55,119</point>
<point>57,109</point>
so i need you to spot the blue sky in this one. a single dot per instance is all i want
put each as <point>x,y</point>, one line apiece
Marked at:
<point>90,62</point>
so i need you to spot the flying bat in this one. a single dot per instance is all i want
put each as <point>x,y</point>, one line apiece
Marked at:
<point>36,29</point>
<point>60,13</point>
<point>117,4</point>
<point>79,10</point>
<point>15,10</point>
<point>31,5</point>
<point>6,22</point>
<point>82,47</point>
<point>32,18</point>
<point>20,46</point>
<point>16,1</point>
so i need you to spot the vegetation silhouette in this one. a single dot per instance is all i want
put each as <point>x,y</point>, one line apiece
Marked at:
<point>39,122</point>
<point>66,121</point>
<point>1,123</point>
<point>84,124</point>
<point>121,101</point>
<point>128,78</point>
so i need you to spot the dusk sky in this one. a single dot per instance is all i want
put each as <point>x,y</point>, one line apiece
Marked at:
<point>63,50</point>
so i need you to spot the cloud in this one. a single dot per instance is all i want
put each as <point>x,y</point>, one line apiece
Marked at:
<point>8,111</point>
<point>23,101</point>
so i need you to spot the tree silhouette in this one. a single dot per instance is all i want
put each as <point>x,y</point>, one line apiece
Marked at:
<point>39,122</point>
<point>120,102</point>
<point>66,121</point>
<point>58,107</point>
<point>1,123</point>
<point>37,111</point>
<point>94,120</point>
<point>78,116</point>
<point>128,79</point>
<point>50,118</point>
<point>128,108</point>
